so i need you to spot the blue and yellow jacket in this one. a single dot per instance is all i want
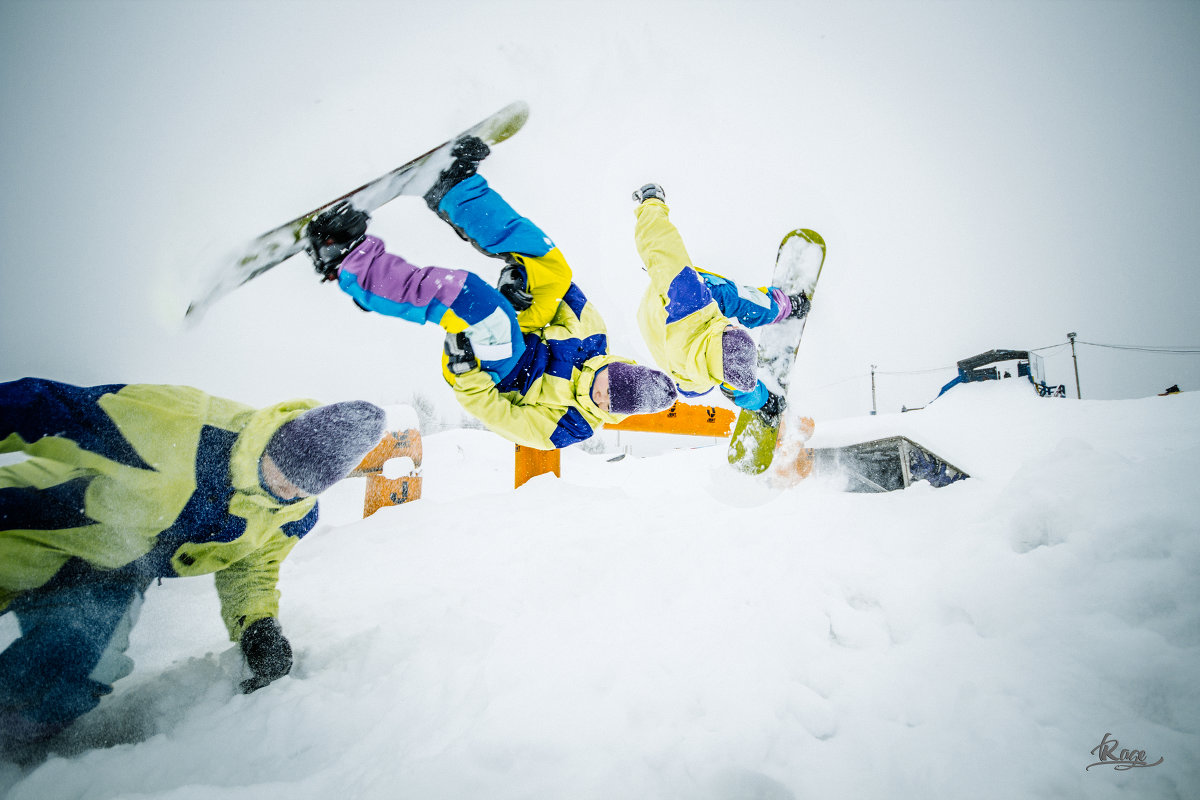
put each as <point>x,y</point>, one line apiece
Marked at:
<point>543,399</point>
<point>165,478</point>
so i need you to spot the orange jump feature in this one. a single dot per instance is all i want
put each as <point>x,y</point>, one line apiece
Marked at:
<point>681,418</point>
<point>532,462</point>
<point>383,491</point>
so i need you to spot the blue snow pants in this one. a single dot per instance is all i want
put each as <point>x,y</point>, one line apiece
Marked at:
<point>749,306</point>
<point>74,633</point>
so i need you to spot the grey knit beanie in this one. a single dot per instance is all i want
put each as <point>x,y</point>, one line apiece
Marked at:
<point>320,447</point>
<point>739,359</point>
<point>633,389</point>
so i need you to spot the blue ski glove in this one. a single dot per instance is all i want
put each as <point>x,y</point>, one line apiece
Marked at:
<point>763,402</point>
<point>751,400</point>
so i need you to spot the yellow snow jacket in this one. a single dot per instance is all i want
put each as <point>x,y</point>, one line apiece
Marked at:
<point>167,476</point>
<point>680,321</point>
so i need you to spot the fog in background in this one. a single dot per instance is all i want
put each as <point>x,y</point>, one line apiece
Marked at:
<point>986,175</point>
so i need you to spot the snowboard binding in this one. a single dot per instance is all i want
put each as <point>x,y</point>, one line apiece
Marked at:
<point>468,151</point>
<point>332,235</point>
<point>800,306</point>
<point>649,191</point>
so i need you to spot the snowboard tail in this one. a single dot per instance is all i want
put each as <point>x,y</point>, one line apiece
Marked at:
<point>752,446</point>
<point>413,178</point>
<point>798,266</point>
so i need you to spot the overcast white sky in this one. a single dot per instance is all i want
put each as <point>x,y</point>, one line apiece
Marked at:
<point>987,174</point>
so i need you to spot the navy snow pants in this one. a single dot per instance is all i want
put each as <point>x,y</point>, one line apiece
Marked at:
<point>74,633</point>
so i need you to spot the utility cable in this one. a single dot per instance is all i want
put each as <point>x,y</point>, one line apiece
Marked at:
<point>1184,350</point>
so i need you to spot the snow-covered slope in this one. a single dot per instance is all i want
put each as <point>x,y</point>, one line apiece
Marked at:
<point>660,628</point>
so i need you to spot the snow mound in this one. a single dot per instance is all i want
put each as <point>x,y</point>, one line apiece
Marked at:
<point>656,628</point>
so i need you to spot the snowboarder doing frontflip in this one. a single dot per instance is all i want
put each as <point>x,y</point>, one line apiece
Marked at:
<point>689,316</point>
<point>530,358</point>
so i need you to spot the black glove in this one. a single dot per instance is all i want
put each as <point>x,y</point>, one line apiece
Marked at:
<point>460,356</point>
<point>332,235</point>
<point>514,285</point>
<point>267,653</point>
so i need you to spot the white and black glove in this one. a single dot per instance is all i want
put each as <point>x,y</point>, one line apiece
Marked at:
<point>460,356</point>
<point>649,191</point>
<point>514,285</point>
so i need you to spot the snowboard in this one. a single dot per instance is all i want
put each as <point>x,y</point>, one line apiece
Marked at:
<point>797,268</point>
<point>414,178</point>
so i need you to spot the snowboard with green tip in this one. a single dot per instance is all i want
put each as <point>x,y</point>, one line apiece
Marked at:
<point>797,268</point>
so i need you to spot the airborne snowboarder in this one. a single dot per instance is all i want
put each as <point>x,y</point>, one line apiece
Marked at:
<point>530,358</point>
<point>687,315</point>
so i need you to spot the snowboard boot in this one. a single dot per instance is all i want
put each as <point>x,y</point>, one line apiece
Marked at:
<point>800,306</point>
<point>771,410</point>
<point>332,235</point>
<point>468,152</point>
<point>650,190</point>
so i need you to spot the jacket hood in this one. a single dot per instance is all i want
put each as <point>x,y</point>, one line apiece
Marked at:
<point>583,389</point>
<point>252,443</point>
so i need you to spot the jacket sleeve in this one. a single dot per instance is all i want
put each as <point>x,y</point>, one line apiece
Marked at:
<point>486,219</point>
<point>248,588</point>
<point>541,427</point>
<point>388,284</point>
<point>549,279</point>
<point>33,408</point>
<point>660,246</point>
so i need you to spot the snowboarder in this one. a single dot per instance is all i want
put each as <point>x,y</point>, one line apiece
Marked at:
<point>687,314</point>
<point>530,358</point>
<point>127,483</point>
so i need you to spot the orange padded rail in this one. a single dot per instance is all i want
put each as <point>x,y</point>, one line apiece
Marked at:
<point>681,418</point>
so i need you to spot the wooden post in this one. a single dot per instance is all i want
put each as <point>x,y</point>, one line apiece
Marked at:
<point>531,462</point>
